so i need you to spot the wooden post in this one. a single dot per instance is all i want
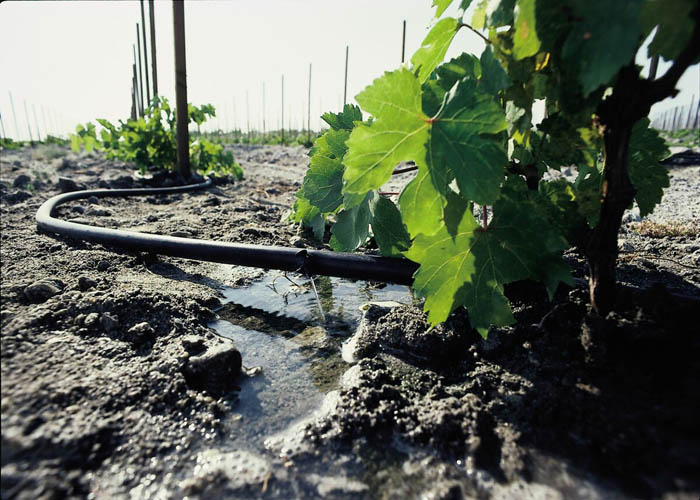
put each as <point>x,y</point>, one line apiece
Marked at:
<point>139,110</point>
<point>14,115</point>
<point>46,125</point>
<point>29,127</point>
<point>345,87</point>
<point>145,55</point>
<point>263,114</point>
<point>247,114</point>
<point>690,111</point>
<point>136,84</point>
<point>308,130</point>
<point>144,105</point>
<point>403,42</point>
<point>36,123</point>
<point>133,99</point>
<point>151,7</point>
<point>182,118</point>
<point>54,123</point>
<point>673,121</point>
<point>233,118</point>
<point>282,108</point>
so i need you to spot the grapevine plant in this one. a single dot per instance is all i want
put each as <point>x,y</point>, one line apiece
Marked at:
<point>467,126</point>
<point>150,141</point>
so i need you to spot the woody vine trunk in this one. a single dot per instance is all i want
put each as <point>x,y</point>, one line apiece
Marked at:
<point>631,100</point>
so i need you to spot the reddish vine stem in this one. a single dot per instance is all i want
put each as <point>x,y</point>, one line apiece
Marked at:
<point>389,193</point>
<point>484,216</point>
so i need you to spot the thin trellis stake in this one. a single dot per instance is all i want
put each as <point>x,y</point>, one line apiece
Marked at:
<point>145,55</point>
<point>154,66</point>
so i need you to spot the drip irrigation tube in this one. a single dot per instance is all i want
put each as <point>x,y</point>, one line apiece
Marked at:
<point>310,262</point>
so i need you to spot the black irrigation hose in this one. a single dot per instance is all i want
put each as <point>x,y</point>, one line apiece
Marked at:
<point>343,265</point>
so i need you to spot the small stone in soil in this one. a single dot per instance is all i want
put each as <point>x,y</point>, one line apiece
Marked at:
<point>21,181</point>
<point>41,291</point>
<point>109,322</point>
<point>102,265</point>
<point>140,332</point>
<point>91,320</point>
<point>66,185</point>
<point>215,370</point>
<point>86,283</point>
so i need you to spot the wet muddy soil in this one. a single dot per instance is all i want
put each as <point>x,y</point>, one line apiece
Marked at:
<point>129,375</point>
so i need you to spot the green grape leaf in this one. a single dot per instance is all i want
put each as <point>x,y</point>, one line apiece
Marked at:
<point>440,5</point>
<point>449,73</point>
<point>558,143</point>
<point>518,119</point>
<point>323,183</point>
<point>456,271</point>
<point>493,76</point>
<point>525,41</point>
<point>351,228</point>
<point>464,66</point>
<point>344,120</point>
<point>433,49</point>
<point>308,215</point>
<point>471,267</point>
<point>648,176</point>
<point>433,97</point>
<point>398,134</point>
<point>421,205</point>
<point>387,226</point>
<point>462,142</point>
<point>590,29</point>
<point>499,13</point>
<point>454,211</point>
<point>675,26</point>
<point>479,16</point>
<point>89,143</point>
<point>331,144</point>
<point>557,203</point>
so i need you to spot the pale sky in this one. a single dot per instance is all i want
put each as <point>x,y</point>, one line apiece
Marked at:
<point>71,61</point>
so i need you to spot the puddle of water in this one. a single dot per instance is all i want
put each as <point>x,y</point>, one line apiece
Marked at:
<point>294,298</point>
<point>288,389</point>
<point>270,401</point>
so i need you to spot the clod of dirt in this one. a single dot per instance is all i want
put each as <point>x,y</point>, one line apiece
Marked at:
<point>66,185</point>
<point>140,333</point>
<point>41,291</point>
<point>21,181</point>
<point>403,331</point>
<point>215,370</point>
<point>193,344</point>
<point>85,283</point>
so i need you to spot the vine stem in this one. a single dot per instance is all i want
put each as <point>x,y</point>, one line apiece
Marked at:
<point>464,25</point>
<point>484,216</point>
<point>389,193</point>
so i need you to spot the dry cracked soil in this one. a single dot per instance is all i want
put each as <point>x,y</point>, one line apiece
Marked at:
<point>114,384</point>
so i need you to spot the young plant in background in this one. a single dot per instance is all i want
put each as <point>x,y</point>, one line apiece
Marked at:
<point>150,142</point>
<point>467,125</point>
